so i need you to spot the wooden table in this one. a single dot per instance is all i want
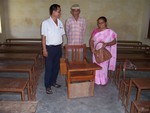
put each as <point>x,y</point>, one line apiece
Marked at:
<point>22,68</point>
<point>141,84</point>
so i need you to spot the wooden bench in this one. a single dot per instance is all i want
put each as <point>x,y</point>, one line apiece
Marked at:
<point>133,57</point>
<point>140,107</point>
<point>22,44</point>
<point>129,42</point>
<point>18,49</point>
<point>18,85</point>
<point>140,84</point>
<point>21,57</point>
<point>22,68</point>
<point>23,40</point>
<point>143,46</point>
<point>131,50</point>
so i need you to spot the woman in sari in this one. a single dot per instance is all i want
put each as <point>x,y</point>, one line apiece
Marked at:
<point>107,37</point>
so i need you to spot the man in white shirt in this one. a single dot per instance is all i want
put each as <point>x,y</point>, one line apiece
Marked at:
<point>52,31</point>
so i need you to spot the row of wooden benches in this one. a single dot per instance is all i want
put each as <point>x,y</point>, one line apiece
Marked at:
<point>138,58</point>
<point>39,40</point>
<point>21,59</point>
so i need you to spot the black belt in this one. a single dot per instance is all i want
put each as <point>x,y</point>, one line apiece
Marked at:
<point>54,45</point>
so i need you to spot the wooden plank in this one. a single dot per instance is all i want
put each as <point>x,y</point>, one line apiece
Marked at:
<point>22,39</point>
<point>21,49</point>
<point>22,44</point>
<point>129,42</point>
<point>81,89</point>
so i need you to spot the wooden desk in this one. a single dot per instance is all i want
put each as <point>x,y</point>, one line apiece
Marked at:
<point>19,57</point>
<point>22,44</point>
<point>133,57</point>
<point>22,68</point>
<point>140,66</point>
<point>131,50</point>
<point>83,67</point>
<point>141,84</point>
<point>81,73</point>
<point>18,49</point>
<point>22,39</point>
<point>18,85</point>
<point>129,42</point>
<point>143,46</point>
<point>38,62</point>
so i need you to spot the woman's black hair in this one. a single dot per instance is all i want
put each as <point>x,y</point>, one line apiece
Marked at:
<point>53,8</point>
<point>103,18</point>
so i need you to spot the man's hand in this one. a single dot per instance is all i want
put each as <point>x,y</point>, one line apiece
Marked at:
<point>45,53</point>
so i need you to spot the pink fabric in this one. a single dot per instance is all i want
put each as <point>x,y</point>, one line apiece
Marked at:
<point>75,30</point>
<point>105,36</point>
<point>95,31</point>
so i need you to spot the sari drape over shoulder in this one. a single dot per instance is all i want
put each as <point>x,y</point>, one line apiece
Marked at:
<point>105,36</point>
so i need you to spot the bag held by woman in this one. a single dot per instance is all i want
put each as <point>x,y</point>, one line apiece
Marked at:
<point>102,54</point>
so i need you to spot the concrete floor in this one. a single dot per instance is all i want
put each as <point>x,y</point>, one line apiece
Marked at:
<point>105,100</point>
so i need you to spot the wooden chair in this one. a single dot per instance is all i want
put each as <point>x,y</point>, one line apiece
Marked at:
<point>72,54</point>
<point>75,53</point>
<point>80,73</point>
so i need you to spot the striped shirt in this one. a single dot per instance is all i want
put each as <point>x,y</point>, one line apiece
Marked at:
<point>75,30</point>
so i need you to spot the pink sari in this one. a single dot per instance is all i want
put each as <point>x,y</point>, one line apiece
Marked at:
<point>107,35</point>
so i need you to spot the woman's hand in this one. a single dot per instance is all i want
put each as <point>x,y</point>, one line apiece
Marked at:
<point>104,44</point>
<point>45,53</point>
<point>93,50</point>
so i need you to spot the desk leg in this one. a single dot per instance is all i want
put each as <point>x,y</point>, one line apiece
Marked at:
<point>68,84</point>
<point>128,97</point>
<point>138,94</point>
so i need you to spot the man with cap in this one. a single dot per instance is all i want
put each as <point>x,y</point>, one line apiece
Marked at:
<point>75,27</point>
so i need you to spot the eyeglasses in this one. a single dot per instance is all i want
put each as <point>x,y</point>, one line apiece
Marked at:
<point>101,23</point>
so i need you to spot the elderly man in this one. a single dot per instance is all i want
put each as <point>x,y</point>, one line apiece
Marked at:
<point>75,27</point>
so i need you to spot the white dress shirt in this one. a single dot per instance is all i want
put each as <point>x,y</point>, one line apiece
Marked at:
<point>52,32</point>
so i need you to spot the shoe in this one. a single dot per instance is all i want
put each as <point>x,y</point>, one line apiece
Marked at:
<point>56,85</point>
<point>49,90</point>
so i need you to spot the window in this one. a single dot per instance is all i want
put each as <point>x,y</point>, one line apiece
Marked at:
<point>0,26</point>
<point>148,35</point>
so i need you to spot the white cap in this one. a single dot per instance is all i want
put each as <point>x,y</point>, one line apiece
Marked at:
<point>75,6</point>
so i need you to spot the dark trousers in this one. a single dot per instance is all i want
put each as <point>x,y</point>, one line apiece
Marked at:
<point>52,64</point>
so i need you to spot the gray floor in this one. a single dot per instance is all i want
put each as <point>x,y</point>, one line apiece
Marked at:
<point>105,100</point>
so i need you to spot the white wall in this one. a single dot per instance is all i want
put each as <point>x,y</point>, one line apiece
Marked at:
<point>128,18</point>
